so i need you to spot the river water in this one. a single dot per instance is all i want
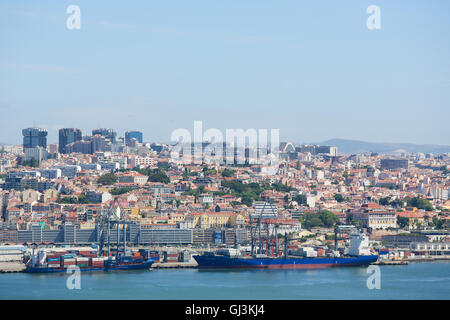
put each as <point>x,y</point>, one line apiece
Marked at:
<point>419,280</point>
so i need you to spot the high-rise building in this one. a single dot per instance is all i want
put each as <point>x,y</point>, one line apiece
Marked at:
<point>98,143</point>
<point>34,137</point>
<point>107,133</point>
<point>133,135</point>
<point>67,136</point>
<point>81,146</point>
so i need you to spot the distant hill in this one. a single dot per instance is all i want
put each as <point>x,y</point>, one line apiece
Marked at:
<point>355,146</point>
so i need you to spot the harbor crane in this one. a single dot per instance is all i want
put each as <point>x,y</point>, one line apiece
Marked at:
<point>108,220</point>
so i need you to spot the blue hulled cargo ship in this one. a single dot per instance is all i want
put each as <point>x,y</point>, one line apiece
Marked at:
<point>359,254</point>
<point>53,262</point>
<point>218,261</point>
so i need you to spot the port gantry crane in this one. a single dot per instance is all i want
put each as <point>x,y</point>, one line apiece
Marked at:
<point>108,220</point>
<point>265,213</point>
<point>257,207</point>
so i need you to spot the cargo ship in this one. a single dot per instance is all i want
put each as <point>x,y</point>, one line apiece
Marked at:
<point>358,254</point>
<point>43,262</point>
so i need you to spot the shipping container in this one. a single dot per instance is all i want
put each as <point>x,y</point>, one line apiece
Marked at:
<point>53,259</point>
<point>97,259</point>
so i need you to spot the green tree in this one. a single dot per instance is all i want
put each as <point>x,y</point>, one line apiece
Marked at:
<point>121,190</point>
<point>338,197</point>
<point>107,179</point>
<point>437,223</point>
<point>300,199</point>
<point>158,175</point>
<point>29,163</point>
<point>311,220</point>
<point>397,203</point>
<point>227,173</point>
<point>329,219</point>
<point>324,218</point>
<point>420,203</point>
<point>163,166</point>
<point>402,221</point>
<point>384,201</point>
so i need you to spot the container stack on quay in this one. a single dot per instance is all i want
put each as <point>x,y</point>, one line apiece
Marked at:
<point>171,255</point>
<point>391,254</point>
<point>11,258</point>
<point>154,255</point>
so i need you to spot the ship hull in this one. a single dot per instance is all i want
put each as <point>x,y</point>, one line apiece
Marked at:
<point>223,262</point>
<point>121,267</point>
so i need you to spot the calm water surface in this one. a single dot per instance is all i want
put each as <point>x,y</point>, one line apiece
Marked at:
<point>420,280</point>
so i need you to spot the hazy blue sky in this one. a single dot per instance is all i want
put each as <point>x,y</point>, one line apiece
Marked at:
<point>310,68</point>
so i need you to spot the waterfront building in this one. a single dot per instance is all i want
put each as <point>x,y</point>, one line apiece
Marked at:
<point>430,248</point>
<point>403,240</point>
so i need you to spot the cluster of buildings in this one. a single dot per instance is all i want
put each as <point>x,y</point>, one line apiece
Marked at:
<point>60,199</point>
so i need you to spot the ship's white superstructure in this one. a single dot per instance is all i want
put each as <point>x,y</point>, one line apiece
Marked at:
<point>359,245</point>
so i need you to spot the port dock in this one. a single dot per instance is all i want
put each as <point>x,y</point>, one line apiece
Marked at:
<point>174,265</point>
<point>8,267</point>
<point>390,263</point>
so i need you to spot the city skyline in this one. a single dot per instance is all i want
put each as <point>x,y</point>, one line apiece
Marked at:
<point>314,71</point>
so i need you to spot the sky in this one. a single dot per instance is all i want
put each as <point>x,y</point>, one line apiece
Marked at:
<point>311,69</point>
